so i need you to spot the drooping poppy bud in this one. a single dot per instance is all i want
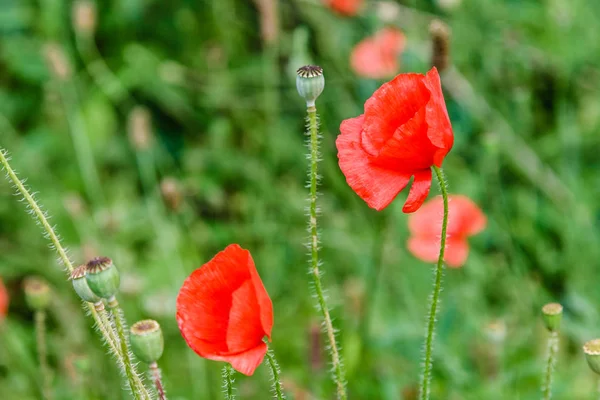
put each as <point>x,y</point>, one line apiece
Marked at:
<point>224,311</point>
<point>102,277</point>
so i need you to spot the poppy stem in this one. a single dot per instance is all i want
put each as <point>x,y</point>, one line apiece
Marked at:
<point>156,377</point>
<point>228,381</point>
<point>138,390</point>
<point>313,145</point>
<point>550,364</point>
<point>40,216</point>
<point>40,335</point>
<point>277,389</point>
<point>435,296</point>
<point>104,325</point>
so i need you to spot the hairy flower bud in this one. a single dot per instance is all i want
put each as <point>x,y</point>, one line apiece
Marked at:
<point>552,315</point>
<point>102,277</point>
<point>310,83</point>
<point>37,293</point>
<point>80,284</point>
<point>146,340</point>
<point>440,42</point>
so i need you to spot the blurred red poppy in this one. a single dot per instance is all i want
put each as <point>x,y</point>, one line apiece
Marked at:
<point>465,219</point>
<point>3,300</point>
<point>404,130</point>
<point>224,311</point>
<point>345,7</point>
<point>376,57</point>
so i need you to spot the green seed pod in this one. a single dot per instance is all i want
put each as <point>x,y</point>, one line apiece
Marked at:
<point>102,277</point>
<point>146,340</point>
<point>37,293</point>
<point>310,83</point>
<point>552,315</point>
<point>592,354</point>
<point>81,286</point>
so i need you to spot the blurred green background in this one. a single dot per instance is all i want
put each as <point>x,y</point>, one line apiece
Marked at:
<point>174,129</point>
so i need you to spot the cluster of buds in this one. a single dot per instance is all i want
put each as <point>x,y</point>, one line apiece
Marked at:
<point>96,280</point>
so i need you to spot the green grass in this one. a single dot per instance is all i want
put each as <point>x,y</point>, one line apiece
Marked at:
<point>228,124</point>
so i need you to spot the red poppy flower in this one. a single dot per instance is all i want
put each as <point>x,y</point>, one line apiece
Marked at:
<point>376,57</point>
<point>224,311</point>
<point>3,300</point>
<point>345,7</point>
<point>464,219</point>
<point>404,130</point>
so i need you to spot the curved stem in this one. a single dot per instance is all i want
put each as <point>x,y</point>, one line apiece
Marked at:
<point>138,389</point>
<point>105,326</point>
<point>313,143</point>
<point>550,363</point>
<point>40,334</point>
<point>435,296</point>
<point>228,381</point>
<point>277,389</point>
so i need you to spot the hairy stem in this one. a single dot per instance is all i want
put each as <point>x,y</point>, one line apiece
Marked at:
<point>435,296</point>
<point>105,326</point>
<point>138,390</point>
<point>313,144</point>
<point>40,335</point>
<point>550,364</point>
<point>277,389</point>
<point>228,381</point>
<point>156,377</point>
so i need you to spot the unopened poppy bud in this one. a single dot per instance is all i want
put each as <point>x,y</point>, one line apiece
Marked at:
<point>310,83</point>
<point>440,42</point>
<point>57,61</point>
<point>140,128</point>
<point>102,277</point>
<point>80,284</point>
<point>37,293</point>
<point>171,193</point>
<point>552,315</point>
<point>592,354</point>
<point>146,340</point>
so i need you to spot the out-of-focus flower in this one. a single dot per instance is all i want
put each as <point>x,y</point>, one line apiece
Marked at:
<point>3,300</point>
<point>465,219</point>
<point>404,131</point>
<point>376,57</point>
<point>345,7</point>
<point>224,311</point>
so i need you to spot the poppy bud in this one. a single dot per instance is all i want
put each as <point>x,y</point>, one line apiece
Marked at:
<point>552,315</point>
<point>84,17</point>
<point>81,286</point>
<point>146,340</point>
<point>102,277</point>
<point>592,354</point>
<point>310,83</point>
<point>440,41</point>
<point>37,293</point>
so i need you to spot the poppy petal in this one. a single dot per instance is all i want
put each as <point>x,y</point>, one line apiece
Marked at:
<point>418,191</point>
<point>264,302</point>
<point>207,301</point>
<point>376,57</point>
<point>391,106</point>
<point>376,186</point>
<point>409,149</point>
<point>440,129</point>
<point>245,362</point>
<point>3,300</point>
<point>428,248</point>
<point>465,218</point>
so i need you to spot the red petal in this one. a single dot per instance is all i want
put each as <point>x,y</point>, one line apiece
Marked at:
<point>409,149</point>
<point>245,362</point>
<point>418,191</point>
<point>377,57</point>
<point>464,217</point>
<point>428,248</point>
<point>391,106</point>
<point>440,129</point>
<point>217,308</point>
<point>264,301</point>
<point>3,300</point>
<point>377,186</point>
